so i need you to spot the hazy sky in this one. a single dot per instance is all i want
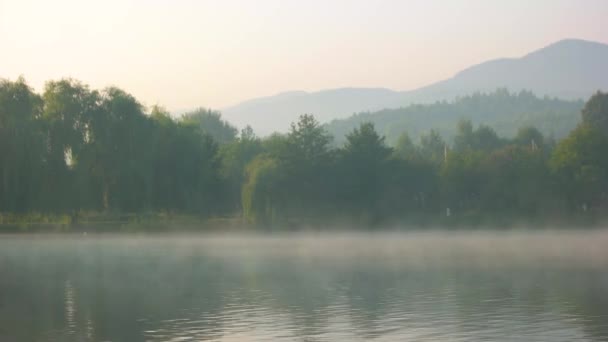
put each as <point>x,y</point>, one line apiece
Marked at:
<point>188,53</point>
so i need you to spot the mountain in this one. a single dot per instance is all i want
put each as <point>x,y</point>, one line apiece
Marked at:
<point>275,113</point>
<point>568,69</point>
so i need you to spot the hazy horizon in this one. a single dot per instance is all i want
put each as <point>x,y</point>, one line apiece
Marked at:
<point>185,54</point>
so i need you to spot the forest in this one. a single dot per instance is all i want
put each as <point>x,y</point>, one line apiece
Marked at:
<point>504,111</point>
<point>73,152</point>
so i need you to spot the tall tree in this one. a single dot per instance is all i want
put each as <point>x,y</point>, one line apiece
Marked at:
<point>306,157</point>
<point>234,158</point>
<point>405,148</point>
<point>432,147</point>
<point>581,167</point>
<point>67,107</point>
<point>21,148</point>
<point>530,136</point>
<point>118,151</point>
<point>364,161</point>
<point>482,138</point>
<point>308,140</point>
<point>263,195</point>
<point>595,112</point>
<point>210,122</point>
<point>515,182</point>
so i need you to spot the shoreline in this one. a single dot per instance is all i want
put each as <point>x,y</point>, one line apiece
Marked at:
<point>100,224</point>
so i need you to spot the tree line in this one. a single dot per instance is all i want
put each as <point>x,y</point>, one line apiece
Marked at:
<point>74,150</point>
<point>504,111</point>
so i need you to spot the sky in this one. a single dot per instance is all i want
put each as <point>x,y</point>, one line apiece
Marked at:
<point>183,54</point>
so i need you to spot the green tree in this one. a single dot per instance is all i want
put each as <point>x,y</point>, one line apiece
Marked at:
<point>595,112</point>
<point>185,168</point>
<point>276,144</point>
<point>465,136</point>
<point>306,158</point>
<point>308,141</point>
<point>483,138</point>
<point>67,107</point>
<point>366,145</point>
<point>262,198</point>
<point>364,158</point>
<point>21,146</point>
<point>67,104</point>
<point>432,147</point>
<point>581,167</point>
<point>234,158</point>
<point>405,148</point>
<point>530,136</point>
<point>487,139</point>
<point>461,183</point>
<point>118,152</point>
<point>210,122</point>
<point>515,182</point>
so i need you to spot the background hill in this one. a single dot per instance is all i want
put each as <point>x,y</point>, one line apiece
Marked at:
<point>569,69</point>
<point>275,113</point>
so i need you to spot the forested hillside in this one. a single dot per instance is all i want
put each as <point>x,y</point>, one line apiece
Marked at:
<point>75,151</point>
<point>502,110</point>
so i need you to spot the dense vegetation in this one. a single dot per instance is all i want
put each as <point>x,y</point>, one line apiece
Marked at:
<point>505,112</point>
<point>74,151</point>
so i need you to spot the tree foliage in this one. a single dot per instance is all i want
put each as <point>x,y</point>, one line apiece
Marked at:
<point>580,165</point>
<point>74,150</point>
<point>503,111</point>
<point>77,149</point>
<point>210,122</point>
<point>595,112</point>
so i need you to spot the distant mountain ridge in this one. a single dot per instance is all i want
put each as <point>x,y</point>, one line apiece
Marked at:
<point>568,69</point>
<point>275,113</point>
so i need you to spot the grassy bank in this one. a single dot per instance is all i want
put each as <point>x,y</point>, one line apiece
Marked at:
<point>92,222</point>
<point>112,222</point>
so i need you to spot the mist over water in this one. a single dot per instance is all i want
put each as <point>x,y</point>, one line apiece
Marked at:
<point>439,286</point>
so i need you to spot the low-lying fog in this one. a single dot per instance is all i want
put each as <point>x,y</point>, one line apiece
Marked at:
<point>424,286</point>
<point>588,247</point>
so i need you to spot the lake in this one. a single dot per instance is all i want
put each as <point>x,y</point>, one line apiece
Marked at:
<point>436,286</point>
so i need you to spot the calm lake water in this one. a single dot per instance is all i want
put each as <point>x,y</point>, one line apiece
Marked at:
<point>547,286</point>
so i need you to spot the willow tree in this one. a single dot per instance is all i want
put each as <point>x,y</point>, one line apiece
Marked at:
<point>261,195</point>
<point>21,146</point>
<point>68,105</point>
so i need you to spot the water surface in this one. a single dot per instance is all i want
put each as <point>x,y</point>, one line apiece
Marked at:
<point>546,286</point>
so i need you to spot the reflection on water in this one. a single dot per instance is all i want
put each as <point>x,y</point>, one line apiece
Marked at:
<point>386,287</point>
